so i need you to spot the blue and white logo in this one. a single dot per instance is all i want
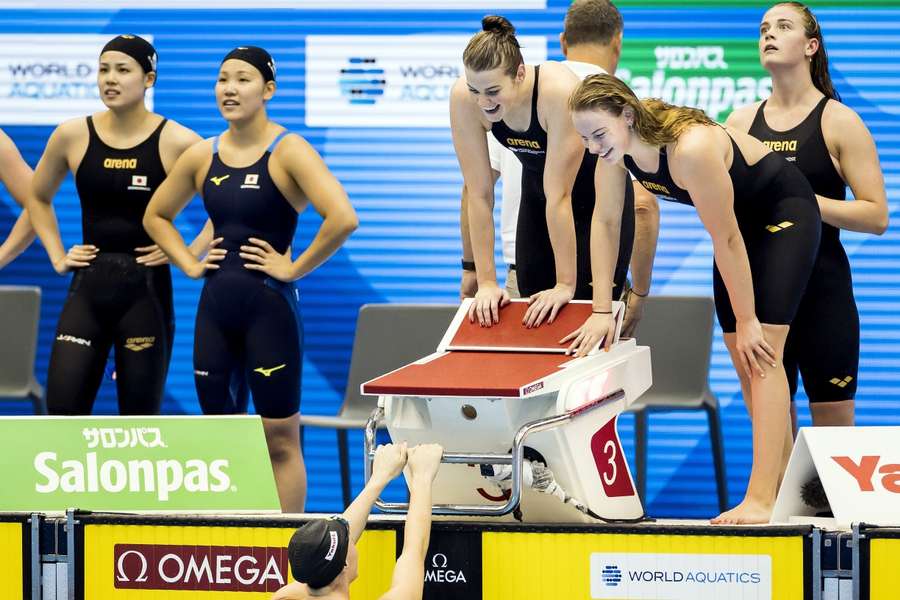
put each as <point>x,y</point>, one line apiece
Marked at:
<point>611,575</point>
<point>362,80</point>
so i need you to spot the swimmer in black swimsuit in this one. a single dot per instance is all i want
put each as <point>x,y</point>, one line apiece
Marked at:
<point>121,291</point>
<point>524,108</point>
<point>764,222</point>
<point>805,121</point>
<point>255,178</point>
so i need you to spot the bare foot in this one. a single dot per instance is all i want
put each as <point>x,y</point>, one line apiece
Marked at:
<point>746,513</point>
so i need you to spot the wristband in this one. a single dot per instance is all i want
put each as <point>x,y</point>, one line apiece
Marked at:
<point>468,265</point>
<point>601,312</point>
<point>638,294</point>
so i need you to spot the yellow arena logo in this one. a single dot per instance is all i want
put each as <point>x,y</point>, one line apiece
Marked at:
<point>779,227</point>
<point>841,383</point>
<point>120,163</point>
<point>781,145</point>
<point>136,344</point>
<point>656,187</point>
<point>518,142</point>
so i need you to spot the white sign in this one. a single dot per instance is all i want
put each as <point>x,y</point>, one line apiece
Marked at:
<point>46,79</point>
<point>859,468</point>
<point>681,576</point>
<point>388,81</point>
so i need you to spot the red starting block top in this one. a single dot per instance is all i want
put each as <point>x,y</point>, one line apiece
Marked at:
<point>510,335</point>
<point>504,360</point>
<point>497,374</point>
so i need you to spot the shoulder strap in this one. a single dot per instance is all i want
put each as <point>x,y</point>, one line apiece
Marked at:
<point>277,139</point>
<point>534,94</point>
<point>216,145</point>
<point>91,129</point>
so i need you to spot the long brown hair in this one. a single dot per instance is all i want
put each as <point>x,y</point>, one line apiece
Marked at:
<point>655,122</point>
<point>818,65</point>
<point>495,46</point>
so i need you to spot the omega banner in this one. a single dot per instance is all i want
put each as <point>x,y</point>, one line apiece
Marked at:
<point>234,560</point>
<point>154,464</point>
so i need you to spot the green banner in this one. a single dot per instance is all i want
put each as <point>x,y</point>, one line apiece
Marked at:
<point>136,464</point>
<point>716,75</point>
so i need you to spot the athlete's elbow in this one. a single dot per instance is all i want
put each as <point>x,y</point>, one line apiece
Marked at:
<point>882,223</point>
<point>349,223</point>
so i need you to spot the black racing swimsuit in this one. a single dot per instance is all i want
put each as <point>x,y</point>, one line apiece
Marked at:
<point>823,344</point>
<point>248,328</point>
<point>114,302</point>
<point>778,217</point>
<point>535,266</point>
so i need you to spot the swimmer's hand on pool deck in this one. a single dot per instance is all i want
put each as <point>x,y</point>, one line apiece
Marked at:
<point>599,327</point>
<point>486,305</point>
<point>547,304</point>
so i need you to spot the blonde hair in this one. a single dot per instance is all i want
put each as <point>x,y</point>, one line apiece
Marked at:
<point>495,46</point>
<point>655,122</point>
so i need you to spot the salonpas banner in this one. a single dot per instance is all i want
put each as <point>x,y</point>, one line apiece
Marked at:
<point>191,464</point>
<point>712,74</point>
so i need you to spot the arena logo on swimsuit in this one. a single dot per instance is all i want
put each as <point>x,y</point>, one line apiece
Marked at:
<point>120,163</point>
<point>781,145</point>
<point>523,143</point>
<point>656,187</point>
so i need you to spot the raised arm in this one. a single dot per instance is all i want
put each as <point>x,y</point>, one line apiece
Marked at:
<point>606,224</point>
<point>409,572</point>
<point>472,153</point>
<point>169,199</point>
<point>860,168</point>
<point>389,462</point>
<point>16,176</point>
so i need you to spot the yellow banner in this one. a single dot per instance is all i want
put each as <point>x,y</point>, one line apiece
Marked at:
<point>535,566</point>
<point>156,562</point>
<point>11,566</point>
<point>884,578</point>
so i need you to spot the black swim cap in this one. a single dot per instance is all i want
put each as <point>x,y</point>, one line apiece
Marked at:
<point>256,56</point>
<point>317,551</point>
<point>136,47</point>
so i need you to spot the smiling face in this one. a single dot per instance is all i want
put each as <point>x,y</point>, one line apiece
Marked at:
<point>494,91</point>
<point>121,80</point>
<point>240,90</point>
<point>603,133</point>
<point>782,38</point>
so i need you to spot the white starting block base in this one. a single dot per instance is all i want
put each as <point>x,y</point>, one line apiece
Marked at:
<point>583,452</point>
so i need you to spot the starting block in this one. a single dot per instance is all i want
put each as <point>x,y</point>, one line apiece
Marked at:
<point>528,431</point>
